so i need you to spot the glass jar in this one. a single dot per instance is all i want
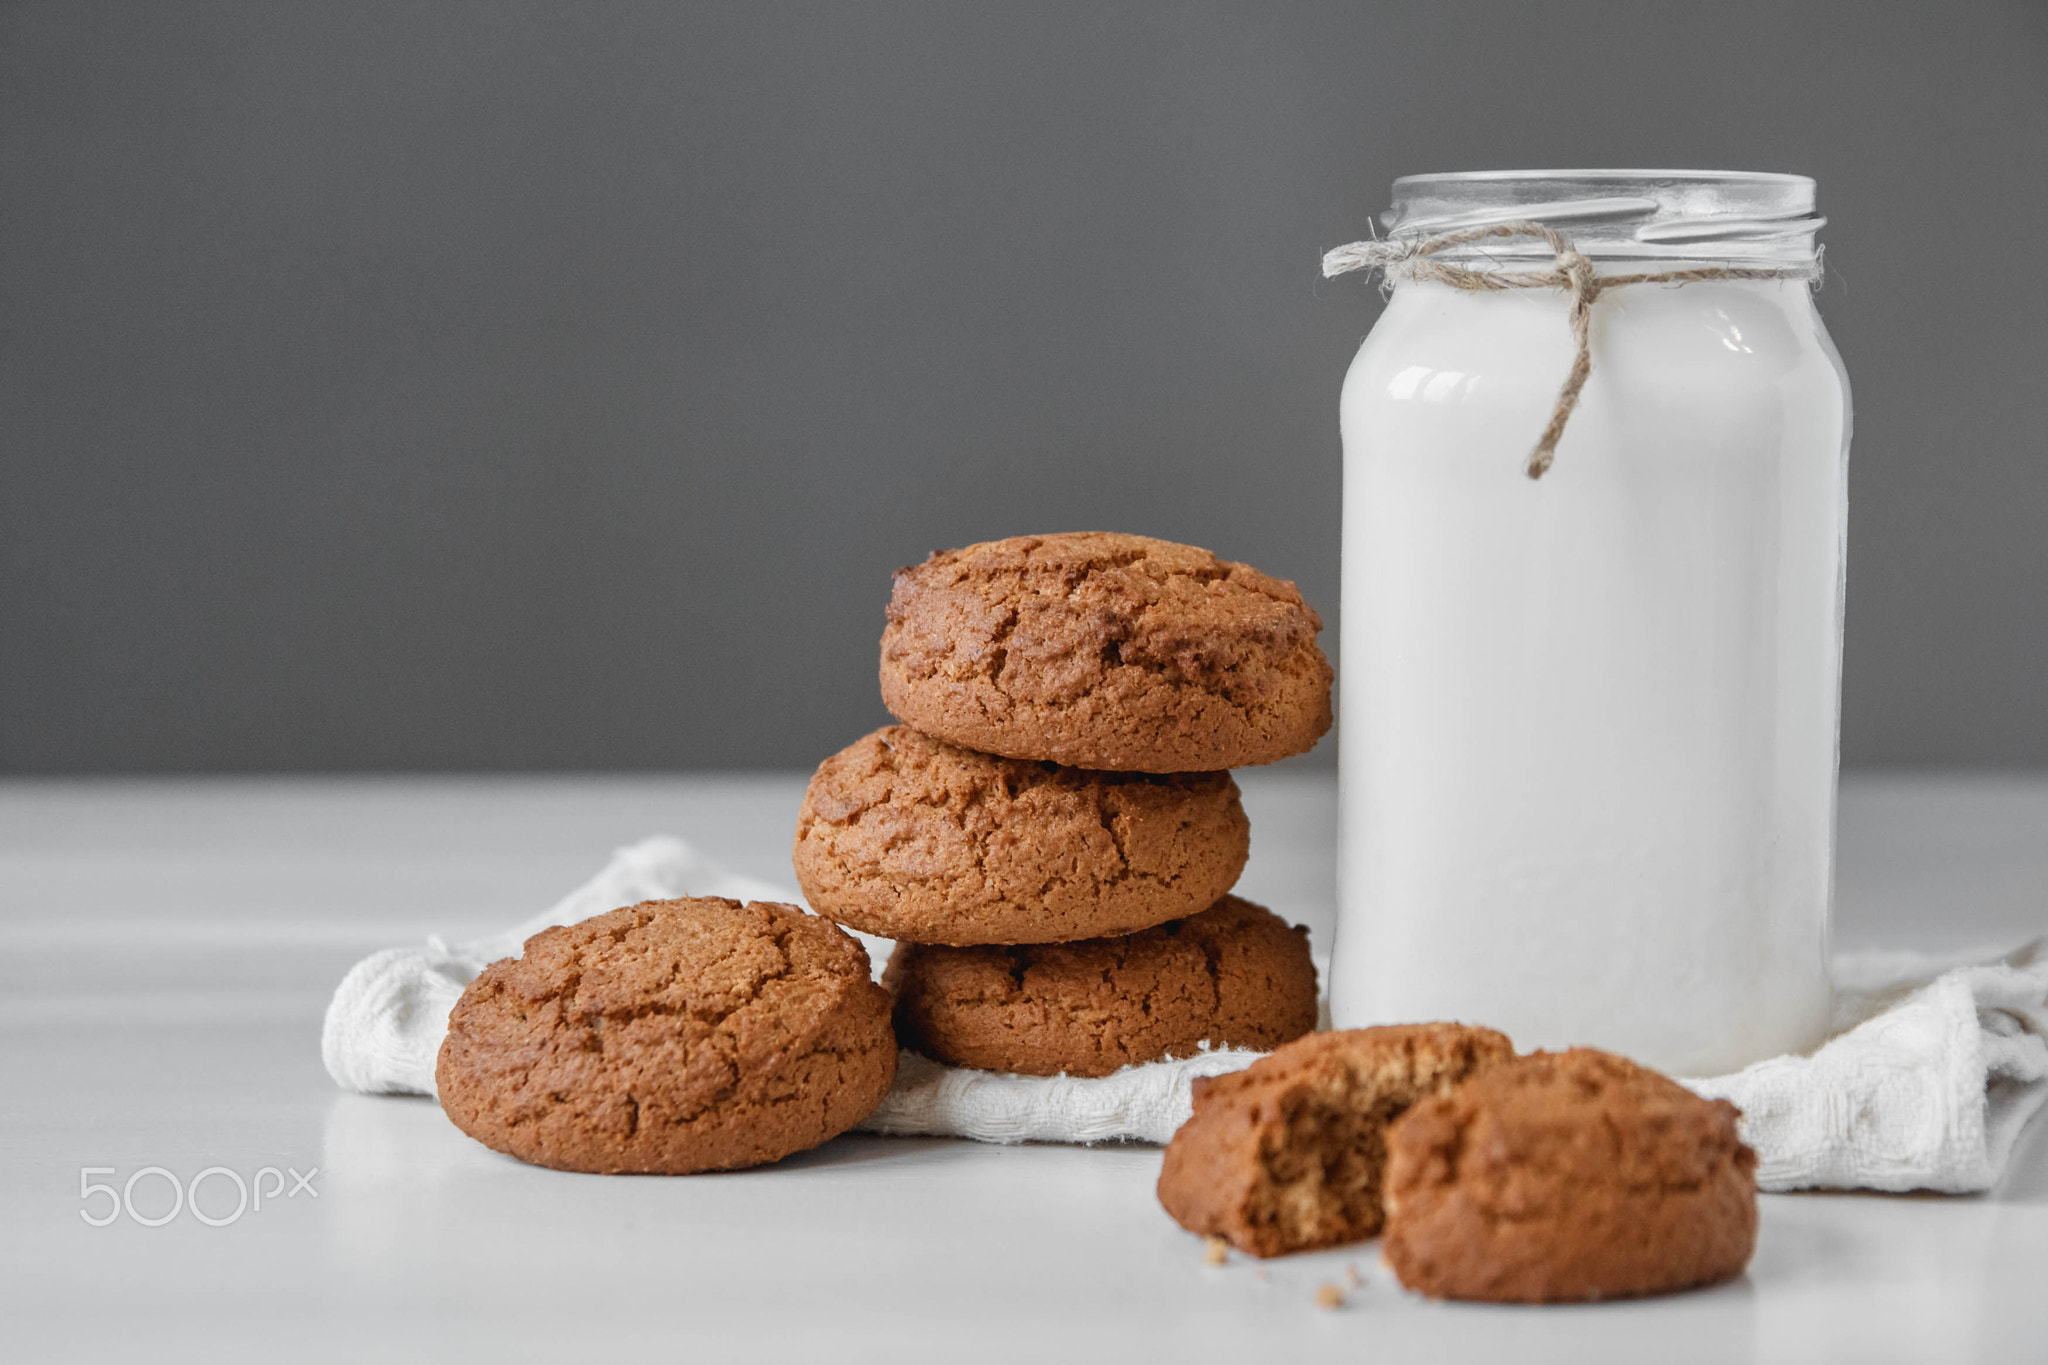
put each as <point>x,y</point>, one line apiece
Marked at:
<point>1589,720</point>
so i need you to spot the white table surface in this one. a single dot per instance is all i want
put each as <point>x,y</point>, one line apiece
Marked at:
<point>170,946</point>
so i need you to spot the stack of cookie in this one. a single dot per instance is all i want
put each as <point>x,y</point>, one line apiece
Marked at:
<point>1052,833</point>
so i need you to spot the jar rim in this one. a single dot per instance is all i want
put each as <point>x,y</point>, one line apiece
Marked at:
<point>1700,214</point>
<point>1614,173</point>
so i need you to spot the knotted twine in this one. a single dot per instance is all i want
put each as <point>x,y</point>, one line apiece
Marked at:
<point>1411,259</point>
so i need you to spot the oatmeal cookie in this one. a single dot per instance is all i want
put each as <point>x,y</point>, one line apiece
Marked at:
<point>919,840</point>
<point>670,1036</point>
<point>1101,650</point>
<point>1235,975</point>
<point>1290,1153</point>
<point>1568,1176</point>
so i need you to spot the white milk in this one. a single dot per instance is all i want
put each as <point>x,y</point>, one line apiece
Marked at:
<point>1589,722</point>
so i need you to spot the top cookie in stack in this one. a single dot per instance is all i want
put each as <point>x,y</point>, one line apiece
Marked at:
<point>1105,651</point>
<point>1070,703</point>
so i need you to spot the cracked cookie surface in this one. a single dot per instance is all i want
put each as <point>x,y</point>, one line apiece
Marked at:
<point>1568,1176</point>
<point>1235,975</point>
<point>670,1037</point>
<point>1102,650</point>
<point>918,840</point>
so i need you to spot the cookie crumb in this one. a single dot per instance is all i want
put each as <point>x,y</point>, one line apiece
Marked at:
<point>1263,1275</point>
<point>1329,1296</point>
<point>1215,1251</point>
<point>1351,1275</point>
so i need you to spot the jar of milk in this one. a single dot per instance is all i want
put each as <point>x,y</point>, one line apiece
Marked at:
<point>1589,710</point>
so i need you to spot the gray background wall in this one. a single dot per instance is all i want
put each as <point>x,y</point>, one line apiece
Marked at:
<point>413,386</point>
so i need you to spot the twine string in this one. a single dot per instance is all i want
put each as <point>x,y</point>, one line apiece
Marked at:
<point>1414,258</point>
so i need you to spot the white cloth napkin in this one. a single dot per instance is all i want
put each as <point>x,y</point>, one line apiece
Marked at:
<point>1936,1065</point>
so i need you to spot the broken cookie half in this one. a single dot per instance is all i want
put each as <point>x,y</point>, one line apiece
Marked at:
<point>1290,1153</point>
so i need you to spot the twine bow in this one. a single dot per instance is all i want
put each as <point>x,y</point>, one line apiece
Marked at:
<point>1413,258</point>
